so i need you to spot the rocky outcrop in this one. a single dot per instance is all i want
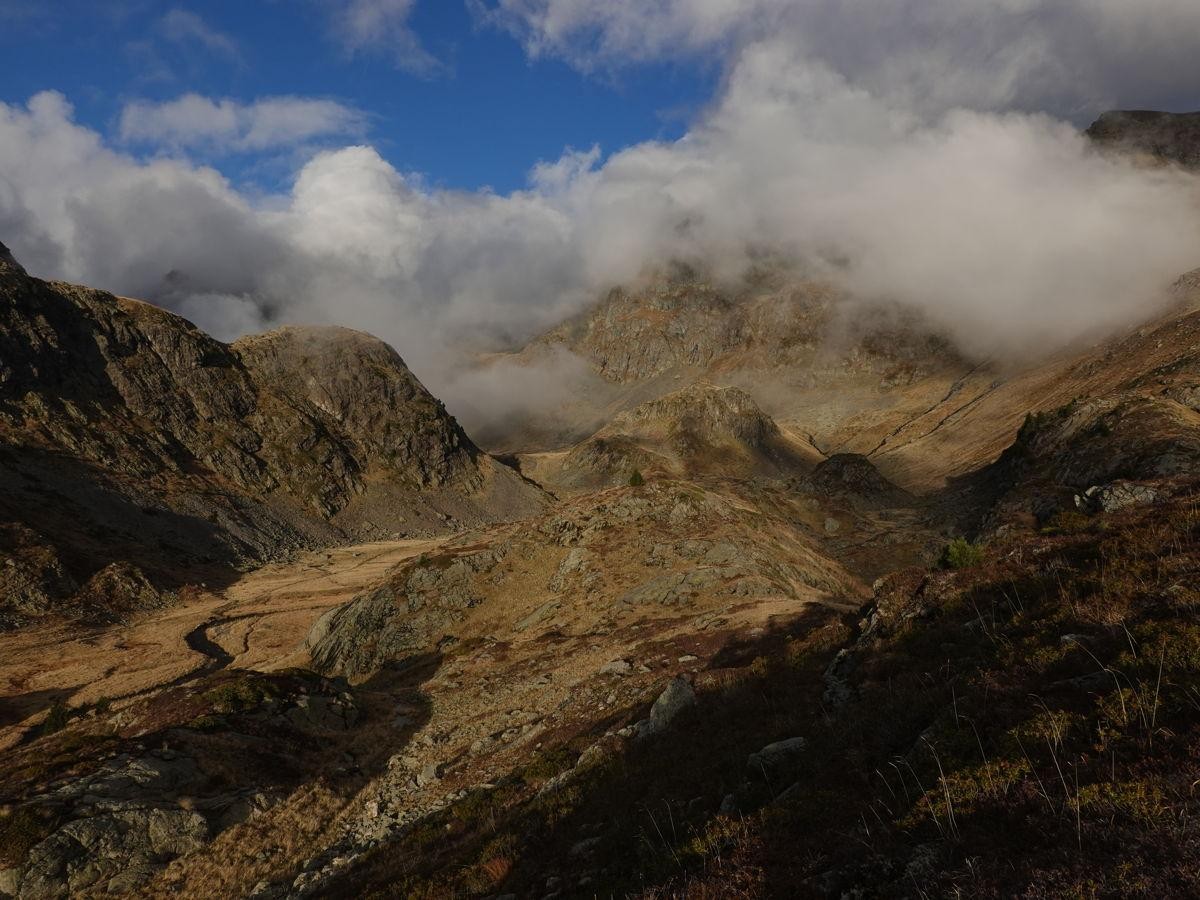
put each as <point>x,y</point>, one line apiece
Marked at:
<point>121,824</point>
<point>118,590</point>
<point>702,429</point>
<point>1162,136</point>
<point>407,614</point>
<point>108,816</point>
<point>8,264</point>
<point>33,580</point>
<point>1088,456</point>
<point>853,477</point>
<point>630,552</point>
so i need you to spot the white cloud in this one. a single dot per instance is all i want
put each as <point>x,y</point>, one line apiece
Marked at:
<point>1064,56</point>
<point>383,26</point>
<point>183,27</point>
<point>1004,227</point>
<point>193,121</point>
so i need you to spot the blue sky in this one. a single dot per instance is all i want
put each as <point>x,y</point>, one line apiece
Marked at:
<point>474,111</point>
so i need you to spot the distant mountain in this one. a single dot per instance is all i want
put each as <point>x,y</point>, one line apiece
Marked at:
<point>1164,136</point>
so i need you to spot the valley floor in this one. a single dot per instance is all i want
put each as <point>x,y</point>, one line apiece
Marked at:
<point>259,623</point>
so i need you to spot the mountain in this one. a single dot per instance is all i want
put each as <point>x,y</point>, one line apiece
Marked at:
<point>810,357</point>
<point>1160,136</point>
<point>863,597</point>
<point>128,434</point>
<point>697,431</point>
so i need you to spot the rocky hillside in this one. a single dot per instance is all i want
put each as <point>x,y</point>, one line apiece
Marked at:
<point>804,353</point>
<point>1160,136</point>
<point>700,430</point>
<point>682,322</point>
<point>1021,725</point>
<point>861,599</point>
<point>127,434</point>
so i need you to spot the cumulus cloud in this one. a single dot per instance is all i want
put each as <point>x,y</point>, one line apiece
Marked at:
<point>1061,56</point>
<point>999,224</point>
<point>193,121</point>
<point>383,26</point>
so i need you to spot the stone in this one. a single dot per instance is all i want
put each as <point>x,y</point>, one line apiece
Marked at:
<point>1116,496</point>
<point>322,713</point>
<point>616,667</point>
<point>10,880</point>
<point>677,697</point>
<point>429,774</point>
<point>591,757</point>
<point>539,615</point>
<point>774,756</point>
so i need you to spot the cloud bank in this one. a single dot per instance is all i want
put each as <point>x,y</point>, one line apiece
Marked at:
<point>1066,57</point>
<point>895,148</point>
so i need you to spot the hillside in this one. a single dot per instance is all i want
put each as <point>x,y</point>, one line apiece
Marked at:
<point>697,431</point>
<point>128,436</point>
<point>908,619</point>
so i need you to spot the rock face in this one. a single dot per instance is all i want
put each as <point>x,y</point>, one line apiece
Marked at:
<point>107,820</point>
<point>366,408</point>
<point>702,429</point>
<point>844,371</point>
<point>1163,136</point>
<point>126,433</point>
<point>853,477</point>
<point>687,322</point>
<point>1086,456</point>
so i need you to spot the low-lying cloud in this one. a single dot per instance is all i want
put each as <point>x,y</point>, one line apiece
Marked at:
<point>898,163</point>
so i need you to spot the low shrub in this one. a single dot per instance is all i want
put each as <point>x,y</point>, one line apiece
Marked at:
<point>961,554</point>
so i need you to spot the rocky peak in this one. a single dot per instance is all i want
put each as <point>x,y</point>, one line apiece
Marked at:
<point>1163,136</point>
<point>360,388</point>
<point>8,264</point>
<point>701,429</point>
<point>702,413</point>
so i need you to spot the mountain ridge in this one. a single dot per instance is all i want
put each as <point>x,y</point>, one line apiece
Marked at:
<point>227,453</point>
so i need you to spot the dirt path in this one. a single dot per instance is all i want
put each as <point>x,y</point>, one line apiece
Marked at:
<point>259,622</point>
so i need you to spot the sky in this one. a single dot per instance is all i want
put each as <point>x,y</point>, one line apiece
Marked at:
<point>428,84</point>
<point>455,176</point>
